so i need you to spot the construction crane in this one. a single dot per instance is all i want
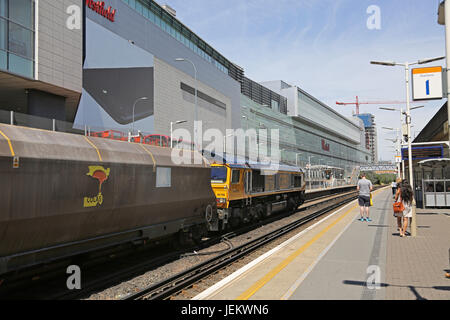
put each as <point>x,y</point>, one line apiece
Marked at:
<point>358,103</point>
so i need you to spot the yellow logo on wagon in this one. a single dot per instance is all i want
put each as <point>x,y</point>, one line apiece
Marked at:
<point>101,174</point>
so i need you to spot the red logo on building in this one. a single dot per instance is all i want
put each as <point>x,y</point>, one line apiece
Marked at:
<point>325,145</point>
<point>99,7</point>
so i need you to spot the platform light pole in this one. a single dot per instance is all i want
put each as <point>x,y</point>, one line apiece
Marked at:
<point>402,113</point>
<point>134,107</point>
<point>225,143</point>
<point>407,66</point>
<point>398,148</point>
<point>196,96</point>
<point>171,130</point>
<point>444,19</point>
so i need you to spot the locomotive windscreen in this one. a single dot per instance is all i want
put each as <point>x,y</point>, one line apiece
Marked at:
<point>218,174</point>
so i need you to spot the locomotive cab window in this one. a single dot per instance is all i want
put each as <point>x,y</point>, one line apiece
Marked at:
<point>235,176</point>
<point>297,181</point>
<point>163,177</point>
<point>218,174</point>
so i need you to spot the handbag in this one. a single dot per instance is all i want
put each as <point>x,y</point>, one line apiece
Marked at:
<point>371,200</point>
<point>399,207</point>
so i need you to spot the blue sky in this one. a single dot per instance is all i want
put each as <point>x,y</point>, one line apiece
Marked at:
<point>324,46</point>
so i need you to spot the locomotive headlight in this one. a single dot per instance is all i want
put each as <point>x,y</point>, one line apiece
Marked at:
<point>221,200</point>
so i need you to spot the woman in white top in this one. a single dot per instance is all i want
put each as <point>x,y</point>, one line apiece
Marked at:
<point>405,195</point>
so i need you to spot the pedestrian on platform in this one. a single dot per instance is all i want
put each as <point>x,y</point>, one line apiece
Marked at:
<point>394,188</point>
<point>404,195</point>
<point>399,215</point>
<point>364,187</point>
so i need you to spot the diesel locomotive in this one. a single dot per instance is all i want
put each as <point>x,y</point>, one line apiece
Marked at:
<point>65,194</point>
<point>246,192</point>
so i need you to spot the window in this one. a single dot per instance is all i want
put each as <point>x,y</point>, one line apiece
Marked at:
<point>20,65</point>
<point>21,11</point>
<point>3,57</point>
<point>3,34</point>
<point>163,177</point>
<point>3,8</point>
<point>139,7</point>
<point>275,105</point>
<point>235,176</point>
<point>21,41</point>
<point>17,36</point>
<point>297,181</point>
<point>167,24</point>
<point>218,174</point>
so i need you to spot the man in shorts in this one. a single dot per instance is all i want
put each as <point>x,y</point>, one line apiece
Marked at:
<point>364,187</point>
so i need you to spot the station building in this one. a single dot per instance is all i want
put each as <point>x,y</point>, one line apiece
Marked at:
<point>431,163</point>
<point>40,60</point>
<point>311,133</point>
<point>133,65</point>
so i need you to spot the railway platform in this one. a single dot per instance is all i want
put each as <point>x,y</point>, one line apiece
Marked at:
<point>342,258</point>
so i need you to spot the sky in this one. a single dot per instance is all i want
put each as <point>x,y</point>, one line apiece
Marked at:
<point>325,47</point>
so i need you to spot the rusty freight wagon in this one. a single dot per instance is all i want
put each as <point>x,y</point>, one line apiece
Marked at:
<point>64,194</point>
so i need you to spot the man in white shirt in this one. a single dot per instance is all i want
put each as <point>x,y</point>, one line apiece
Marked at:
<point>364,187</point>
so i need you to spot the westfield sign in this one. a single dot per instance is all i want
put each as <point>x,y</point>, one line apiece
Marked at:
<point>99,7</point>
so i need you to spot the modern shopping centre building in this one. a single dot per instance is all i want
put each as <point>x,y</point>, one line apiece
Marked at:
<point>133,64</point>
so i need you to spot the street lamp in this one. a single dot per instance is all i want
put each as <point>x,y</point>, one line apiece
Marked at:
<point>444,19</point>
<point>401,111</point>
<point>407,65</point>
<point>246,120</point>
<point>225,143</point>
<point>134,107</point>
<point>196,95</point>
<point>397,149</point>
<point>171,130</point>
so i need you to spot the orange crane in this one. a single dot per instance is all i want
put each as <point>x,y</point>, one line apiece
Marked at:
<point>358,103</point>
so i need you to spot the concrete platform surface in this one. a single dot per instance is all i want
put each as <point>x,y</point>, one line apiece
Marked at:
<point>341,258</point>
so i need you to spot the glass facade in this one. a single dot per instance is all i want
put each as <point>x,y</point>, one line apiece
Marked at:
<point>17,36</point>
<point>302,144</point>
<point>317,113</point>
<point>173,27</point>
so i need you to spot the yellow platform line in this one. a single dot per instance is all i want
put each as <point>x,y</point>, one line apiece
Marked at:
<point>95,147</point>
<point>151,155</point>
<point>269,276</point>
<point>9,143</point>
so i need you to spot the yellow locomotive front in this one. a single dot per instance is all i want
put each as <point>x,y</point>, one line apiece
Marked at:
<point>219,183</point>
<point>247,192</point>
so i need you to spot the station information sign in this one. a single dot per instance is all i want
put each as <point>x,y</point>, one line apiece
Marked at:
<point>424,153</point>
<point>427,83</point>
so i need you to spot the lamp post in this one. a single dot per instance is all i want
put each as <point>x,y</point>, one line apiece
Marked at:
<point>246,120</point>
<point>444,19</point>
<point>225,144</point>
<point>171,130</point>
<point>309,171</point>
<point>402,113</point>
<point>196,95</point>
<point>398,148</point>
<point>134,107</point>
<point>407,65</point>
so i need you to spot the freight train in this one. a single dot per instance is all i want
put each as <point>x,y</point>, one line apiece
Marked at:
<point>65,194</point>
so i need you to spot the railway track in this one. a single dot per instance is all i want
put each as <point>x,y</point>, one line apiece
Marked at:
<point>141,267</point>
<point>176,284</point>
<point>101,278</point>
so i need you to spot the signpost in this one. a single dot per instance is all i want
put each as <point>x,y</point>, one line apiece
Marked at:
<point>427,83</point>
